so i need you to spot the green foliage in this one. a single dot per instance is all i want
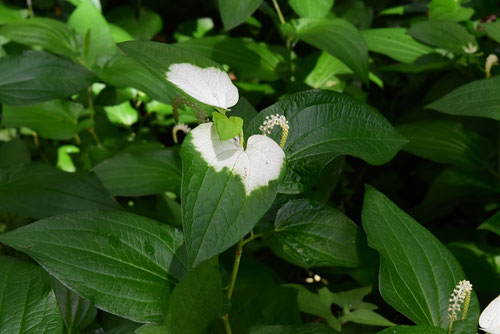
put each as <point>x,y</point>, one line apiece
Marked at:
<point>199,167</point>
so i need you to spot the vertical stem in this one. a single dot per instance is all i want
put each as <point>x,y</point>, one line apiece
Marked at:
<point>450,326</point>
<point>91,110</point>
<point>227,326</point>
<point>499,149</point>
<point>30,9</point>
<point>236,266</point>
<point>278,10</point>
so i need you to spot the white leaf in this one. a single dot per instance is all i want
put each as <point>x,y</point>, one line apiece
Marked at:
<point>259,164</point>
<point>209,85</point>
<point>490,318</point>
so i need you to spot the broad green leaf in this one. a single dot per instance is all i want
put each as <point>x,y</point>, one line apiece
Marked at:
<point>443,34</point>
<point>323,126</point>
<point>314,234</point>
<point>13,153</point>
<point>35,77</point>
<point>158,57</point>
<point>119,34</point>
<point>395,43</point>
<point>335,36</point>
<point>492,224</point>
<point>244,110</point>
<point>479,98</point>
<point>227,128</point>
<point>325,73</point>
<point>64,161</point>
<point>247,58</point>
<point>193,29</point>
<point>40,191</point>
<point>123,263</point>
<point>417,272</point>
<point>413,330</point>
<point>27,302</point>
<point>223,199</point>
<point>56,119</point>
<point>77,312</point>
<point>270,329</point>
<point>196,301</point>
<point>141,173</point>
<point>449,10</point>
<point>311,8</point>
<point>122,71</point>
<point>10,13</point>
<point>352,299</point>
<point>235,12</point>
<point>141,23</point>
<point>445,142</point>
<point>492,29</point>
<point>122,114</point>
<point>366,317</point>
<point>48,34</point>
<point>318,304</point>
<point>98,42</point>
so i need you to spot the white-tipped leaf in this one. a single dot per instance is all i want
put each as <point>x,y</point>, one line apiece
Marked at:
<point>489,321</point>
<point>209,85</point>
<point>226,189</point>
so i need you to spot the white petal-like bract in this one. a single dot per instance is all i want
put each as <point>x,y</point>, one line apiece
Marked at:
<point>209,85</point>
<point>489,321</point>
<point>259,164</point>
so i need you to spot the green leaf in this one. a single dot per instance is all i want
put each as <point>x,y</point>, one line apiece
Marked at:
<point>77,312</point>
<point>311,8</point>
<point>323,126</point>
<point>122,114</point>
<point>196,301</point>
<point>443,34</point>
<point>27,303</point>
<point>417,272</point>
<point>89,23</point>
<point>35,77</point>
<point>336,36</point>
<point>141,23</point>
<point>157,58</point>
<point>227,128</point>
<point>413,330</point>
<point>10,13</point>
<point>395,43</point>
<point>64,161</point>
<point>226,189</point>
<point>479,98</point>
<point>244,110</point>
<point>235,12</point>
<point>366,317</point>
<point>121,262</point>
<point>122,71</point>
<point>141,173</point>
<point>445,142</point>
<point>45,33</point>
<point>318,304</point>
<point>39,191</point>
<point>56,119</point>
<point>449,10</point>
<point>492,30</point>
<point>492,224</point>
<point>325,73</point>
<point>314,234</point>
<point>247,58</point>
<point>13,153</point>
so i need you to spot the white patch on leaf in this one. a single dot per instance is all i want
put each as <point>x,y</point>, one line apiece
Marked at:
<point>490,318</point>
<point>210,85</point>
<point>259,164</point>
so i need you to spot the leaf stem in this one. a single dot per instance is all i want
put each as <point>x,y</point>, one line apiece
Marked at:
<point>450,326</point>
<point>91,110</point>
<point>30,9</point>
<point>278,11</point>
<point>227,326</point>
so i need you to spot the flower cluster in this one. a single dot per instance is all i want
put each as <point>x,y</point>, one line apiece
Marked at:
<point>460,296</point>
<point>273,120</point>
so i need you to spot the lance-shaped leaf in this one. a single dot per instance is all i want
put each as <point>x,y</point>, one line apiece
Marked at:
<point>226,189</point>
<point>417,272</point>
<point>325,125</point>
<point>234,12</point>
<point>123,263</point>
<point>27,303</point>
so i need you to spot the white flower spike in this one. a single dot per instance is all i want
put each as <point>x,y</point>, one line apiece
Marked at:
<point>209,85</point>
<point>489,321</point>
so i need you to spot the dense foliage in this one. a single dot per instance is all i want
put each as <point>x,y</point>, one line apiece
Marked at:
<point>249,166</point>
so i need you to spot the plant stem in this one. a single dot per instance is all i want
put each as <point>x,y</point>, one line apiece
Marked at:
<point>450,326</point>
<point>278,10</point>
<point>499,149</point>
<point>227,326</point>
<point>91,110</point>
<point>30,9</point>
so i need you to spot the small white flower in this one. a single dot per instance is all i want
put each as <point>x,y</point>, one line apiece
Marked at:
<point>470,49</point>
<point>209,85</point>
<point>459,296</point>
<point>489,321</point>
<point>271,121</point>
